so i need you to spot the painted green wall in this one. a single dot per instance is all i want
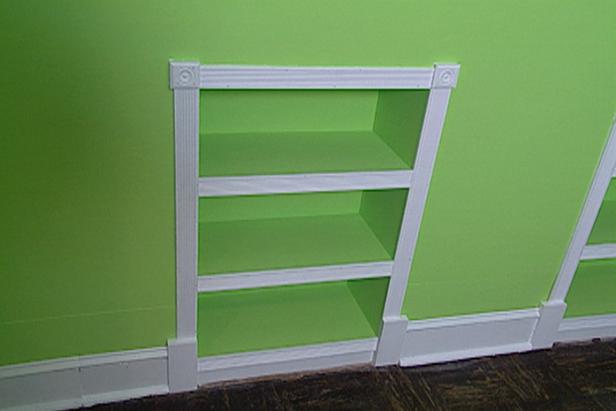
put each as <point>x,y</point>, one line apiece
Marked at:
<point>86,149</point>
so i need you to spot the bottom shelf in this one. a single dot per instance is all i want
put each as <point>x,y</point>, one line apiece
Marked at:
<point>278,317</point>
<point>593,290</point>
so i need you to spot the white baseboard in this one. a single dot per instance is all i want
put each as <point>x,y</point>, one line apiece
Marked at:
<point>285,360</point>
<point>468,336</point>
<point>550,316</point>
<point>83,381</point>
<point>587,328</point>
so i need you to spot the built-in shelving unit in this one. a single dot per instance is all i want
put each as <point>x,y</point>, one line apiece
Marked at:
<point>299,196</point>
<point>587,280</point>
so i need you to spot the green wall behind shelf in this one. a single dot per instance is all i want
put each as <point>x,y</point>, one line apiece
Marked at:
<point>86,147</point>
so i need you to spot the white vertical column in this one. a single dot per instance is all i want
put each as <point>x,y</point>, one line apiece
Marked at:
<point>390,343</point>
<point>599,186</point>
<point>553,310</point>
<point>184,80</point>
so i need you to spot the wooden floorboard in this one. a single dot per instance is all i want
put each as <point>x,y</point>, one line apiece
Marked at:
<point>568,377</point>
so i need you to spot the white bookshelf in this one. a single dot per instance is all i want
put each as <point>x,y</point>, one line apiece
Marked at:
<point>187,79</point>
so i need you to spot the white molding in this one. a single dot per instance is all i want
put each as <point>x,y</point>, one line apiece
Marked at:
<point>550,315</point>
<point>468,336</point>
<point>599,251</point>
<point>186,103</point>
<point>445,75</point>
<point>434,121</point>
<point>184,78</point>
<point>184,75</point>
<point>266,77</point>
<point>84,380</point>
<point>390,340</point>
<point>587,218</point>
<point>288,276</point>
<point>587,328</point>
<point>614,173</point>
<point>303,183</point>
<point>285,360</point>
<point>182,364</point>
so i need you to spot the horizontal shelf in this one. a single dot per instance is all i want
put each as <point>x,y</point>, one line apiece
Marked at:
<point>281,77</point>
<point>303,183</point>
<point>305,275</point>
<point>280,317</point>
<point>599,251</point>
<point>277,243</point>
<point>243,154</point>
<point>593,289</point>
<point>604,228</point>
<point>285,360</point>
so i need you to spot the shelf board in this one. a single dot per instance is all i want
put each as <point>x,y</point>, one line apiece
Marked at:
<point>280,243</point>
<point>303,183</point>
<point>245,154</point>
<point>252,320</point>
<point>285,360</point>
<point>599,251</point>
<point>604,229</point>
<point>307,275</point>
<point>593,289</point>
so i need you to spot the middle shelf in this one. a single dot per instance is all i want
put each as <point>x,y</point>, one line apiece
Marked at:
<point>247,234</point>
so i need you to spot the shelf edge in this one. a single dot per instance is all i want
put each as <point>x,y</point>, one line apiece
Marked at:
<point>303,183</point>
<point>294,276</point>
<point>599,251</point>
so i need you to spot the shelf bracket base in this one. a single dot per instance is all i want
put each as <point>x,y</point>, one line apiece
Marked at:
<point>390,343</point>
<point>182,364</point>
<point>550,316</point>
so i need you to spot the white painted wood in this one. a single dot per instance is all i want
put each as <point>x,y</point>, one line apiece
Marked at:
<point>599,251</point>
<point>84,380</point>
<point>288,276</point>
<point>390,340</point>
<point>285,360</point>
<point>587,328</point>
<point>67,363</point>
<point>123,395</point>
<point>446,356</point>
<point>453,338</point>
<point>614,173</point>
<point>445,75</point>
<point>186,152</point>
<point>303,183</point>
<point>424,164</point>
<point>550,315</point>
<point>587,219</point>
<point>184,80</point>
<point>182,364</point>
<point>265,77</point>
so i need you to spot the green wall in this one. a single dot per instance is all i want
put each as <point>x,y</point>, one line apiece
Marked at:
<point>86,147</point>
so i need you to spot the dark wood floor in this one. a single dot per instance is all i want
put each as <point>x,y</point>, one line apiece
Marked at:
<point>568,377</point>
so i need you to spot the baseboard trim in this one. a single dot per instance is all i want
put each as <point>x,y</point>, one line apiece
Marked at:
<point>84,380</point>
<point>587,328</point>
<point>285,360</point>
<point>468,336</point>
